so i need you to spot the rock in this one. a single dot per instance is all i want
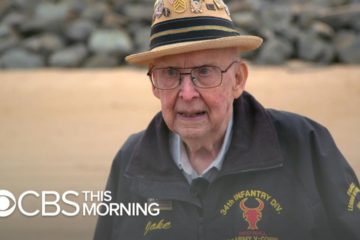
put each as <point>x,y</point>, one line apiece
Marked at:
<point>138,12</point>
<point>114,20</point>
<point>110,41</point>
<point>239,6</point>
<point>323,30</point>
<point>142,39</point>
<point>355,20</point>
<point>275,50</point>
<point>246,21</point>
<point>341,17</point>
<point>4,7</point>
<point>20,58</point>
<point>80,30</point>
<point>34,26</point>
<point>331,3</point>
<point>25,5</point>
<point>290,32</point>
<point>256,5</point>
<point>5,31</point>
<point>141,34</point>
<point>46,43</point>
<point>96,11</point>
<point>347,45</point>
<point>313,48</point>
<point>102,61</point>
<point>69,57</point>
<point>274,16</point>
<point>8,42</point>
<point>305,16</point>
<point>14,19</point>
<point>52,12</point>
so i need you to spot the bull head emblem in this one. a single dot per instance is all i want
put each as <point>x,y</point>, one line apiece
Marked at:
<point>252,215</point>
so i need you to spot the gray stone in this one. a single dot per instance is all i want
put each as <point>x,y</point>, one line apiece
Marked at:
<point>45,43</point>
<point>5,31</point>
<point>290,32</point>
<point>101,61</point>
<point>141,35</point>
<point>20,58</point>
<point>347,45</point>
<point>96,11</point>
<point>323,30</point>
<point>69,57</point>
<point>114,21</point>
<point>110,41</point>
<point>80,30</point>
<point>28,5</point>
<point>52,12</point>
<point>246,21</point>
<point>33,26</point>
<point>137,12</point>
<point>340,18</point>
<point>355,20</point>
<point>313,48</point>
<point>256,5</point>
<point>239,6</point>
<point>274,16</point>
<point>331,3</point>
<point>275,50</point>
<point>77,7</point>
<point>8,42</point>
<point>305,16</point>
<point>142,39</point>
<point>4,7</point>
<point>14,19</point>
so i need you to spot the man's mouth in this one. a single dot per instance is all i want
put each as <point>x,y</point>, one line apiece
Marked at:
<point>192,114</point>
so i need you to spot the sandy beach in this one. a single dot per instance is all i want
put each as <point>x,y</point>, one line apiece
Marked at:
<point>60,129</point>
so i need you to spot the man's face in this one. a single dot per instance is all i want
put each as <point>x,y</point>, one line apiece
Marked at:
<point>196,113</point>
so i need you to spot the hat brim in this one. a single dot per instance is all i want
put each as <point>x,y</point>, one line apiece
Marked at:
<point>242,43</point>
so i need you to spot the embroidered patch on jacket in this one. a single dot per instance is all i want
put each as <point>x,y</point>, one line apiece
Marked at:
<point>164,205</point>
<point>251,203</point>
<point>354,194</point>
<point>152,226</point>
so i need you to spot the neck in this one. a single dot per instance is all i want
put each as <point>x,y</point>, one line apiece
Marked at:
<point>202,154</point>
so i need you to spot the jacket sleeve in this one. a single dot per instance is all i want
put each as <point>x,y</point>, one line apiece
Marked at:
<point>337,184</point>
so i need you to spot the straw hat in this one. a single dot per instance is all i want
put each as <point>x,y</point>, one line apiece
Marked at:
<point>181,26</point>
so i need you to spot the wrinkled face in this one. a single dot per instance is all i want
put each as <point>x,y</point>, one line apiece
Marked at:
<point>196,113</point>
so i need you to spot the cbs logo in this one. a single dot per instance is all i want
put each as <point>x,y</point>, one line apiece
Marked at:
<point>5,203</point>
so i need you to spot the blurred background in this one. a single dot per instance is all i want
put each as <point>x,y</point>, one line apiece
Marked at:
<point>99,33</point>
<point>63,119</point>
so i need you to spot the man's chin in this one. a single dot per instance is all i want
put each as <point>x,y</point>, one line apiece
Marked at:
<point>191,133</point>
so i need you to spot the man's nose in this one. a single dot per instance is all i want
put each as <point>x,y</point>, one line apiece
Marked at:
<point>188,90</point>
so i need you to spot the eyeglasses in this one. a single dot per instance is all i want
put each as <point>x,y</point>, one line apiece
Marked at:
<point>202,77</point>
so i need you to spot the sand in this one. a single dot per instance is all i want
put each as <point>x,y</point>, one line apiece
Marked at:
<point>59,130</point>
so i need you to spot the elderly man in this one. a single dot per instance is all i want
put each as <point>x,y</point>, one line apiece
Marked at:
<point>218,164</point>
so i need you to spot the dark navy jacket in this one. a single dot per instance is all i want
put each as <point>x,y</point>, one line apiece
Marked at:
<point>282,178</point>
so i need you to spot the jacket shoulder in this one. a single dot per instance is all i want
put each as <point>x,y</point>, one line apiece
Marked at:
<point>123,155</point>
<point>295,124</point>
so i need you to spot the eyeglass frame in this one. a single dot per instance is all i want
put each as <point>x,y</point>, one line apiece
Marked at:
<point>193,78</point>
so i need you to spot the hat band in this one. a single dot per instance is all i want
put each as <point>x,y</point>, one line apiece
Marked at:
<point>202,28</point>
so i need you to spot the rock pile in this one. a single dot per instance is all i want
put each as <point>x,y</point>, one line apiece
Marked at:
<point>94,33</point>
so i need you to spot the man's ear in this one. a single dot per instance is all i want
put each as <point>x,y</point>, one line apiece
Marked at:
<point>241,75</point>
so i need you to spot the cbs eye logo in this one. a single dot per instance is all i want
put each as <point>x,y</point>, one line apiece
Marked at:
<point>5,203</point>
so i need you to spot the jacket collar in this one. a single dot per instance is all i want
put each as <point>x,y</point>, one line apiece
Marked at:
<point>254,145</point>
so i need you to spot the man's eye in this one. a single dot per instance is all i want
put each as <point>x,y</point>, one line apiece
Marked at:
<point>204,71</point>
<point>171,72</point>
